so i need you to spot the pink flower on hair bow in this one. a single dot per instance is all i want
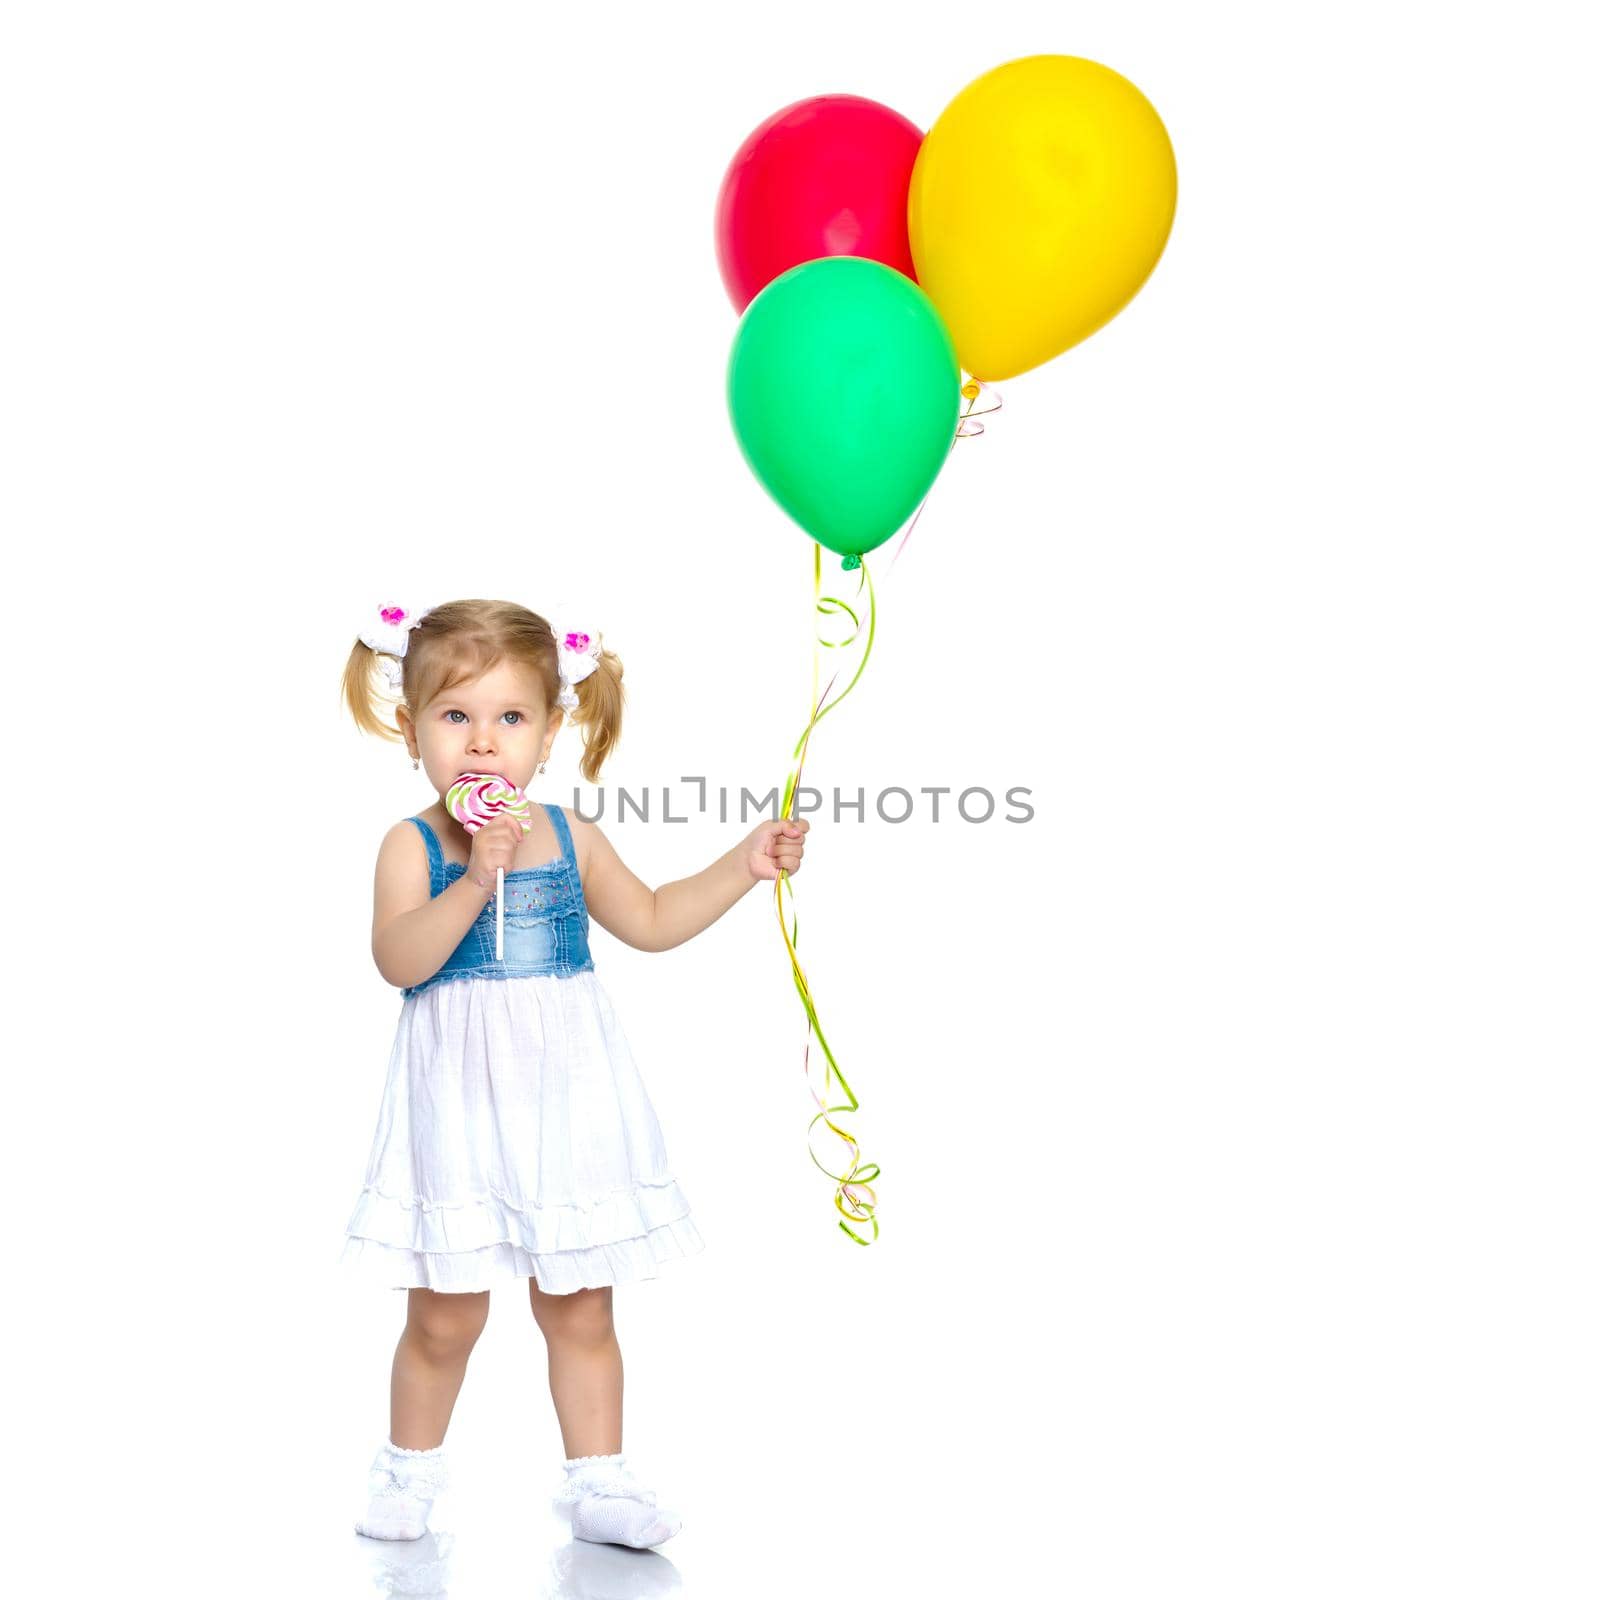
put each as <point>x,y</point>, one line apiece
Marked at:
<point>577,655</point>
<point>388,634</point>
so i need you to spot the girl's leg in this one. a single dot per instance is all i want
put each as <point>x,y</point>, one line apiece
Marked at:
<point>429,1363</point>
<point>609,1505</point>
<point>585,1367</point>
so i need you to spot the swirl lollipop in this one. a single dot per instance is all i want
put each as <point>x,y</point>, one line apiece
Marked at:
<point>474,799</point>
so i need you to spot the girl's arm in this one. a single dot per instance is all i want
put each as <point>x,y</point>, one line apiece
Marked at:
<point>659,919</point>
<point>412,936</point>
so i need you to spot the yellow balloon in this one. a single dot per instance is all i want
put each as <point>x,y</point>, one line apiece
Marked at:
<point>1040,202</point>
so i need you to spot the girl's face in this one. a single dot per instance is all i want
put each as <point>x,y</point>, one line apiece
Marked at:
<point>497,723</point>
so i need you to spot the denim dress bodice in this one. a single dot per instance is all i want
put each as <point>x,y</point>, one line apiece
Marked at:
<point>546,920</point>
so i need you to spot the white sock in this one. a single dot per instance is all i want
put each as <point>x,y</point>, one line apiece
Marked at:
<point>610,1506</point>
<point>402,1486</point>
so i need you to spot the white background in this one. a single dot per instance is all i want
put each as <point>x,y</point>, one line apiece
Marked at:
<point>1236,1114</point>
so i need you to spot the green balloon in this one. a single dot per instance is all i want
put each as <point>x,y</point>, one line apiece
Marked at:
<point>844,391</point>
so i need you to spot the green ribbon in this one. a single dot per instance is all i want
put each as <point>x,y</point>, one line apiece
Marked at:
<point>853,1183</point>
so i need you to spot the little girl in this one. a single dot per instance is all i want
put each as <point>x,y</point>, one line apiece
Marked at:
<point>515,1138</point>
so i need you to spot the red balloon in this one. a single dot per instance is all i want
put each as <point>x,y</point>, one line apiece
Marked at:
<point>828,176</point>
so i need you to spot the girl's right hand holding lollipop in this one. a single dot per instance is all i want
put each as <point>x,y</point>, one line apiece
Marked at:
<point>494,848</point>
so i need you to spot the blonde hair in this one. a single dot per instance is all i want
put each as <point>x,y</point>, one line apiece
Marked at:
<point>460,641</point>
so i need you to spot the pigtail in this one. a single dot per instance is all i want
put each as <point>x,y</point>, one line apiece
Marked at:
<point>599,713</point>
<point>362,696</point>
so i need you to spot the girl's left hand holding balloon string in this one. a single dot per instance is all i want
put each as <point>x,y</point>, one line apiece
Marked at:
<point>776,847</point>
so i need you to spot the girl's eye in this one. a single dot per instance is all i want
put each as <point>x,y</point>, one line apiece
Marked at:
<point>517,714</point>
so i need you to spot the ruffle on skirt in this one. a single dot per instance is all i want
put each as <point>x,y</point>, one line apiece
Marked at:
<point>515,1139</point>
<point>468,1248</point>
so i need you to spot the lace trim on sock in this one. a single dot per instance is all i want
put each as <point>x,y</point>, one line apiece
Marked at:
<point>409,1474</point>
<point>606,1481</point>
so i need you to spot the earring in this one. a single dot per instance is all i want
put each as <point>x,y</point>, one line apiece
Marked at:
<point>415,764</point>
<point>541,766</point>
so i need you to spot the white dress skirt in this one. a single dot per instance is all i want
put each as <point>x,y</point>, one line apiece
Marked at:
<point>515,1139</point>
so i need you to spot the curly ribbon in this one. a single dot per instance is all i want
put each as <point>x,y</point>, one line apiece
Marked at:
<point>852,1184</point>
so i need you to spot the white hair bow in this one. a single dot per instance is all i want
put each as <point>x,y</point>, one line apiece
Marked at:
<point>577,655</point>
<point>388,634</point>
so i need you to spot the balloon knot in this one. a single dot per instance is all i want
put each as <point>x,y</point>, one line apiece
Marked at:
<point>850,563</point>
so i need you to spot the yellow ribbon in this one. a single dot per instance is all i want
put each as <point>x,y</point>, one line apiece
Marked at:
<point>853,1183</point>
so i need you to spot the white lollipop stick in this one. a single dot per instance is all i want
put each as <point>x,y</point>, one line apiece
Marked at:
<point>499,913</point>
